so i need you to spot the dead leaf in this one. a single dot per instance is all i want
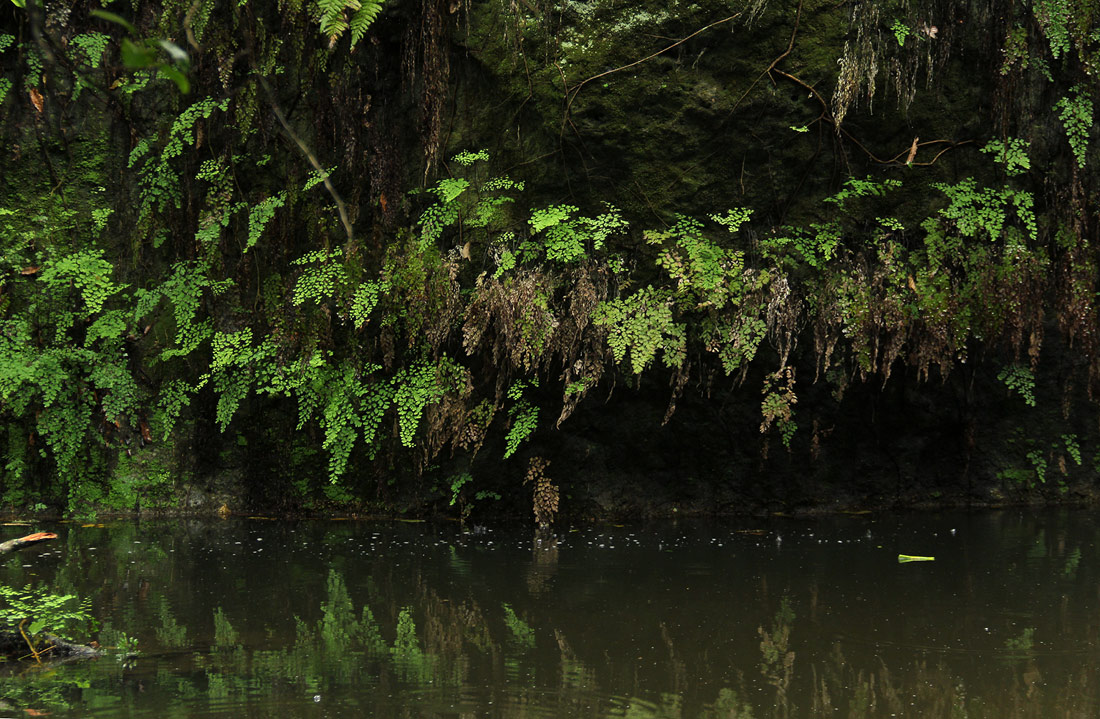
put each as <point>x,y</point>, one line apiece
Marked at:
<point>912,151</point>
<point>36,99</point>
<point>31,270</point>
<point>912,283</point>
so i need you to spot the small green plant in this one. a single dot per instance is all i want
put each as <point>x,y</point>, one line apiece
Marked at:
<point>41,615</point>
<point>1019,379</point>
<point>157,56</point>
<point>524,414</point>
<point>1073,448</point>
<point>1015,50</point>
<point>901,31</point>
<point>123,645</point>
<point>1075,112</point>
<point>777,407</point>
<point>1012,153</point>
<point>1016,476</point>
<point>1039,464</point>
<point>459,481</point>
<point>643,325</point>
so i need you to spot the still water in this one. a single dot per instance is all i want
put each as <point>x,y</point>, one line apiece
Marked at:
<point>737,618</point>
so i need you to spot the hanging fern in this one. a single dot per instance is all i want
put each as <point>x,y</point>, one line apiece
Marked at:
<point>339,16</point>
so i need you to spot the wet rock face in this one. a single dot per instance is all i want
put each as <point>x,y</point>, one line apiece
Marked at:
<point>656,108</point>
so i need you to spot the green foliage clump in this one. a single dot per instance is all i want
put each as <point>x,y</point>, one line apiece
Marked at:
<point>415,388</point>
<point>983,212</point>
<point>778,405</point>
<point>1073,448</point>
<point>1019,379</point>
<point>158,178</point>
<point>642,324</point>
<point>1055,16</point>
<point>566,239</point>
<point>1076,115</point>
<point>524,414</point>
<point>38,614</point>
<point>92,44</point>
<point>259,215</point>
<point>1012,153</point>
<point>901,31</point>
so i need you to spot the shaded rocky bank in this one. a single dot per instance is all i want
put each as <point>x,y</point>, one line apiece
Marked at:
<point>397,265</point>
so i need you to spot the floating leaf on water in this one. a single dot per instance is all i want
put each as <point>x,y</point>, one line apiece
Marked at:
<point>902,558</point>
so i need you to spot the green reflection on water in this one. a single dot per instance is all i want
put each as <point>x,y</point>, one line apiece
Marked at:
<point>296,620</point>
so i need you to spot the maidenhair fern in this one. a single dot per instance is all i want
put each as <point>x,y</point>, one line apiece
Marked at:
<point>1054,17</point>
<point>565,239</point>
<point>1020,380</point>
<point>642,325</point>
<point>173,397</point>
<point>415,389</point>
<point>366,297</point>
<point>158,180</point>
<point>1012,153</point>
<point>983,212</point>
<point>703,273</point>
<point>260,215</point>
<point>777,407</point>
<point>1076,115</point>
<point>322,277</point>
<point>524,414</point>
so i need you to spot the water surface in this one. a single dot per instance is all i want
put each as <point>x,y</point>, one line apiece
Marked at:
<point>747,618</point>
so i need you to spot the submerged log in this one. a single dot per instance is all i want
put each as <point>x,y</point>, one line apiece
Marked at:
<point>22,542</point>
<point>13,647</point>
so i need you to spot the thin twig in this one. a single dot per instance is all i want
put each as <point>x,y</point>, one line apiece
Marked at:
<point>34,652</point>
<point>827,117</point>
<point>768,70</point>
<point>340,207</point>
<point>577,88</point>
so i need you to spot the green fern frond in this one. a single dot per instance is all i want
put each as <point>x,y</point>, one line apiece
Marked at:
<point>333,19</point>
<point>363,18</point>
<point>338,16</point>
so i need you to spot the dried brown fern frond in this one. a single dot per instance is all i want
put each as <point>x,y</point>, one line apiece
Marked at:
<point>545,499</point>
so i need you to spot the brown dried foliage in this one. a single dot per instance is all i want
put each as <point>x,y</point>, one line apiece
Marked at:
<point>545,492</point>
<point>510,319</point>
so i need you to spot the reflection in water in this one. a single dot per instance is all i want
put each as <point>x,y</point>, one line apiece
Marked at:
<point>778,664</point>
<point>680,621</point>
<point>544,561</point>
